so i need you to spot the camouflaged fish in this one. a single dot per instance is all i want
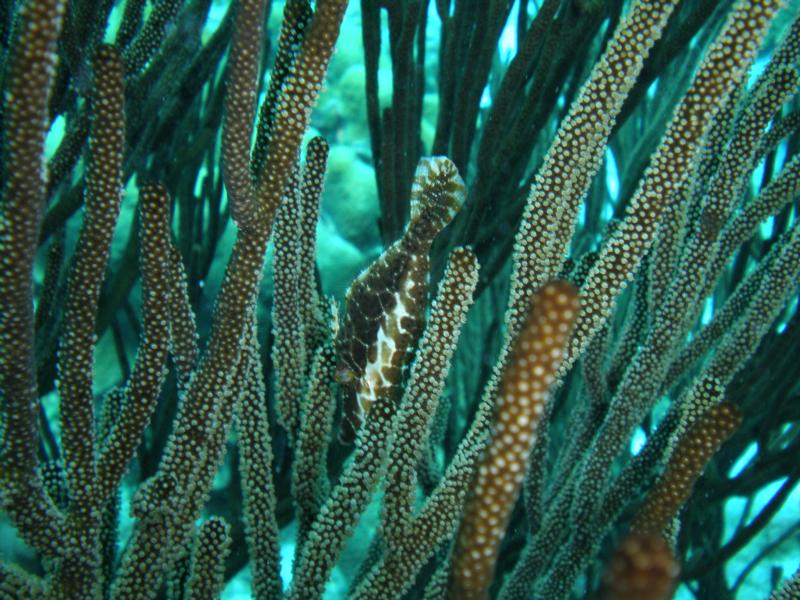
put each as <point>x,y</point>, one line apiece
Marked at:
<point>385,305</point>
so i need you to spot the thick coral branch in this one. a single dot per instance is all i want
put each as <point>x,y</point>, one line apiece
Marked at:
<point>29,73</point>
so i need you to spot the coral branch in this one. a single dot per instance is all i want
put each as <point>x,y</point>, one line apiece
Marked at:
<point>520,405</point>
<point>29,71</point>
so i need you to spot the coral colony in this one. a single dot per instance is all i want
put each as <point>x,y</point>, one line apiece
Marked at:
<point>569,366</point>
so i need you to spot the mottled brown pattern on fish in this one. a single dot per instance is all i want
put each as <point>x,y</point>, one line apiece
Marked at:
<point>385,305</point>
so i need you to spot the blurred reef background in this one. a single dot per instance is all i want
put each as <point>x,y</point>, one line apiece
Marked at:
<point>400,299</point>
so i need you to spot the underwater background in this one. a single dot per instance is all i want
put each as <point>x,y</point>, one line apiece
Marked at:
<point>407,299</point>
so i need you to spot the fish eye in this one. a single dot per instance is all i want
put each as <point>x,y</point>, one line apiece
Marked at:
<point>344,376</point>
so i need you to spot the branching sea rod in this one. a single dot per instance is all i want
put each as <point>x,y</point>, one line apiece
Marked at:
<point>571,344</point>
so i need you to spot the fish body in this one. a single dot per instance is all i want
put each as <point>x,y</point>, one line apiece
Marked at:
<point>385,305</point>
